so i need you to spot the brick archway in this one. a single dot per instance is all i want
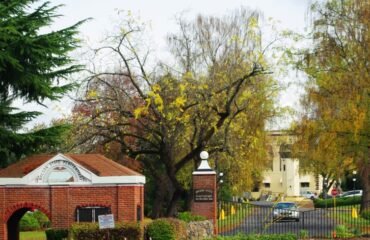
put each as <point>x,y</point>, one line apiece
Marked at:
<point>14,214</point>
<point>27,205</point>
<point>33,184</point>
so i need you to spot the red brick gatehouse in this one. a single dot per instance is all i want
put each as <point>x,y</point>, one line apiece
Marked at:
<point>68,188</point>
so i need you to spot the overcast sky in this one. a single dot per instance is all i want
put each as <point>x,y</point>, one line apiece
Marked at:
<point>291,14</point>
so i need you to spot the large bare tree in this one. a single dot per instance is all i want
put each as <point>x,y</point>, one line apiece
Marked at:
<point>214,93</point>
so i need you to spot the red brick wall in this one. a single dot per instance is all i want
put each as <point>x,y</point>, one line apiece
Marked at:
<point>206,209</point>
<point>59,203</point>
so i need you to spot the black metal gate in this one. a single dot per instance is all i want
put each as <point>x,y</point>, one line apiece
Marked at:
<point>260,218</point>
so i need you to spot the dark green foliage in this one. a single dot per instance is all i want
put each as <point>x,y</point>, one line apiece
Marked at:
<point>42,219</point>
<point>32,64</point>
<point>91,231</point>
<point>29,223</point>
<point>322,203</point>
<point>366,214</point>
<point>260,237</point>
<point>161,229</point>
<point>188,217</point>
<point>56,234</point>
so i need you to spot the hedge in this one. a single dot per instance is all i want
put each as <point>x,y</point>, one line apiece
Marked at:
<point>345,201</point>
<point>189,217</point>
<point>161,229</point>
<point>91,231</point>
<point>56,234</point>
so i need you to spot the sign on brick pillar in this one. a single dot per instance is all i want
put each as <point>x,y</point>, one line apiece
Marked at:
<point>204,201</point>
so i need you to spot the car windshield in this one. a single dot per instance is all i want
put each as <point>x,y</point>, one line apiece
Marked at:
<point>284,205</point>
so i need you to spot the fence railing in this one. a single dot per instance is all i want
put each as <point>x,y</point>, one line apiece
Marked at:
<point>268,218</point>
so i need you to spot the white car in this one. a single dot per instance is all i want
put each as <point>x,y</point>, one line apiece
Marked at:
<point>309,194</point>
<point>352,193</point>
<point>285,211</point>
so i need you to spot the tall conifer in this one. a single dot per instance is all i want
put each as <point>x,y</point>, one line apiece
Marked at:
<point>33,63</point>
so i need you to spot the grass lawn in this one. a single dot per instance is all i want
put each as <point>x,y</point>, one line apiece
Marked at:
<point>32,236</point>
<point>346,217</point>
<point>231,220</point>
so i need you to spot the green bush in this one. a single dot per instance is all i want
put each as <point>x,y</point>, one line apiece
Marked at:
<point>129,231</point>
<point>179,227</point>
<point>303,234</point>
<point>29,223</point>
<point>343,232</point>
<point>56,234</point>
<point>91,231</point>
<point>188,217</point>
<point>260,237</point>
<point>42,219</point>
<point>322,203</point>
<point>161,229</point>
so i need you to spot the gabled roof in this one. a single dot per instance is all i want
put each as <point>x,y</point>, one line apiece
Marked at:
<point>96,163</point>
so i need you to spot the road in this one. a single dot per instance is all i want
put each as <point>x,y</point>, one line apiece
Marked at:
<point>317,222</point>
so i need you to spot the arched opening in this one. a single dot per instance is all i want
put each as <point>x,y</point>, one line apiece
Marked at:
<point>13,223</point>
<point>25,217</point>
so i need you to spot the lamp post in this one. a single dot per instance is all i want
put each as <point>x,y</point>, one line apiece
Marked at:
<point>325,187</point>
<point>354,179</point>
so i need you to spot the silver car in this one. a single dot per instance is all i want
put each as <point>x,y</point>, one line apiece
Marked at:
<point>285,211</point>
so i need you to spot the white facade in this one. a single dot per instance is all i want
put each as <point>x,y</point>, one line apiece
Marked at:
<point>285,177</point>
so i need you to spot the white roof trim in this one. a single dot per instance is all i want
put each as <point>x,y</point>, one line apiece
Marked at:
<point>33,178</point>
<point>204,173</point>
<point>95,181</point>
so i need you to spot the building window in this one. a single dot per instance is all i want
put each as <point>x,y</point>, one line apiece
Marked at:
<point>305,184</point>
<point>138,213</point>
<point>285,151</point>
<point>90,214</point>
<point>266,185</point>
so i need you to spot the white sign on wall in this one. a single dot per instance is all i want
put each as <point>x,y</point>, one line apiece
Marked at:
<point>106,221</point>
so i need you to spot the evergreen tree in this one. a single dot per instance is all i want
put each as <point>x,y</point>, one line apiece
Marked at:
<point>32,64</point>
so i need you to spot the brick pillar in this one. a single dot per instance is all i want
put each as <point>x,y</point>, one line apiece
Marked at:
<point>59,207</point>
<point>204,201</point>
<point>3,227</point>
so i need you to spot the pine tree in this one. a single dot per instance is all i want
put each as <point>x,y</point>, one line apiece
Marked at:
<point>32,64</point>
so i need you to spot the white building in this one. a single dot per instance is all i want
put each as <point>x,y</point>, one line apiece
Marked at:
<point>284,176</point>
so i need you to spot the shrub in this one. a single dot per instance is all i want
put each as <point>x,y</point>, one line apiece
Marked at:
<point>179,227</point>
<point>343,232</point>
<point>366,214</point>
<point>91,231</point>
<point>42,219</point>
<point>161,229</point>
<point>56,234</point>
<point>29,223</point>
<point>303,234</point>
<point>322,203</point>
<point>188,217</point>
<point>126,231</point>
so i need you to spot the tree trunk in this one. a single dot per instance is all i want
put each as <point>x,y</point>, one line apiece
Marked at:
<point>365,178</point>
<point>160,198</point>
<point>172,209</point>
